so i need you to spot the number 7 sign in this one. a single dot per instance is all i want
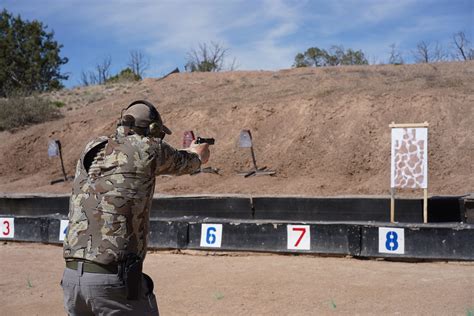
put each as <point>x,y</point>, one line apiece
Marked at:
<point>299,237</point>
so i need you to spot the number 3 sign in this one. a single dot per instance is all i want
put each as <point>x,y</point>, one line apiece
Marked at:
<point>211,235</point>
<point>7,227</point>
<point>299,237</point>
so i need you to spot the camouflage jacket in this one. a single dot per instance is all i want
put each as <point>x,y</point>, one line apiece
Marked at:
<point>113,188</point>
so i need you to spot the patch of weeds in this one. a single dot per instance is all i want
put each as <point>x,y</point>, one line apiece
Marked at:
<point>94,97</point>
<point>218,296</point>
<point>28,282</point>
<point>58,104</point>
<point>333,304</point>
<point>19,111</point>
<point>326,92</point>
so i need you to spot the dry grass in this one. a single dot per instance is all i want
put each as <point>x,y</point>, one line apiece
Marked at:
<point>21,111</point>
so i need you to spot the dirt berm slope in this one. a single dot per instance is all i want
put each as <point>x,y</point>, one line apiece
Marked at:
<point>324,130</point>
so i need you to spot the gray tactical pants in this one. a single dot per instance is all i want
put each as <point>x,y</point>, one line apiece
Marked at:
<point>103,294</point>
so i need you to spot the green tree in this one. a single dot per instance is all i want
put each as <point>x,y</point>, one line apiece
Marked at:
<point>29,57</point>
<point>317,57</point>
<point>354,57</point>
<point>300,61</point>
<point>313,56</point>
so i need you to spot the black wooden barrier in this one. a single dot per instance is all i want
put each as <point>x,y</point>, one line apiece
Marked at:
<point>339,226</point>
<point>420,241</point>
<point>430,241</point>
<point>343,209</point>
<point>30,205</point>
<point>339,209</point>
<point>202,206</point>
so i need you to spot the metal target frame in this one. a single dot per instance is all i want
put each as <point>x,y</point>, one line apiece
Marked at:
<point>245,141</point>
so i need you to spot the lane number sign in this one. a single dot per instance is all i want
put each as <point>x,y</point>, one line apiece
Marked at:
<point>7,227</point>
<point>391,240</point>
<point>211,235</point>
<point>63,229</point>
<point>299,237</point>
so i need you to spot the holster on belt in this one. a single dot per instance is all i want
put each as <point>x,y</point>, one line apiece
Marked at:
<point>132,276</point>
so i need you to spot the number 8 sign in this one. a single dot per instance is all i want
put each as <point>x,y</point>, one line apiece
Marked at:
<point>211,235</point>
<point>391,240</point>
<point>299,237</point>
<point>7,227</point>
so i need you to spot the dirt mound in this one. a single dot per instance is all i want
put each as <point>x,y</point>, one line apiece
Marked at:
<point>324,130</point>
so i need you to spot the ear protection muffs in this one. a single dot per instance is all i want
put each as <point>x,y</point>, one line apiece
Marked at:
<point>155,128</point>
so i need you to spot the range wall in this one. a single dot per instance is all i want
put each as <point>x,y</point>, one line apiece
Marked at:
<point>283,225</point>
<point>415,241</point>
<point>440,209</point>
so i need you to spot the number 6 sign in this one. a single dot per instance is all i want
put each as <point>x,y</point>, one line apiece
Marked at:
<point>211,235</point>
<point>7,227</point>
<point>299,237</point>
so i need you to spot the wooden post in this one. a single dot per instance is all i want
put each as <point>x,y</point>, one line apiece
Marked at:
<point>392,205</point>
<point>425,205</point>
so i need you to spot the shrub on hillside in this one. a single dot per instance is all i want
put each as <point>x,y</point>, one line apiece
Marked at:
<point>20,111</point>
<point>126,75</point>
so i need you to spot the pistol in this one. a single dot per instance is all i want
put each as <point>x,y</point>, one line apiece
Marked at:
<point>202,140</point>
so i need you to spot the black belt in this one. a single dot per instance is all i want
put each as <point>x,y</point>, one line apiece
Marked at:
<point>92,267</point>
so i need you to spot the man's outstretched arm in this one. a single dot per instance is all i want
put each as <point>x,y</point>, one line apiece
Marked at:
<point>180,162</point>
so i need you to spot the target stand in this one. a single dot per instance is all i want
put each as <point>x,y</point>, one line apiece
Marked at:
<point>409,162</point>
<point>54,150</point>
<point>207,170</point>
<point>245,141</point>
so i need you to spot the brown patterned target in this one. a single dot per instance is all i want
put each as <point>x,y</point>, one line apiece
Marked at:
<point>409,167</point>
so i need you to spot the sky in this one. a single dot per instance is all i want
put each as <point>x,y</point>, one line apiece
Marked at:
<point>258,34</point>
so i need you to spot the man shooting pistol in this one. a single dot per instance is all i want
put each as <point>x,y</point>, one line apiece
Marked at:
<point>107,236</point>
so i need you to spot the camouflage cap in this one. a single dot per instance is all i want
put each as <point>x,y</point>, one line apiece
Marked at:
<point>144,116</point>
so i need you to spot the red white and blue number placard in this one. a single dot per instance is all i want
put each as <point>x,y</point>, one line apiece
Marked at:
<point>7,227</point>
<point>63,229</point>
<point>391,240</point>
<point>211,235</point>
<point>299,237</point>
